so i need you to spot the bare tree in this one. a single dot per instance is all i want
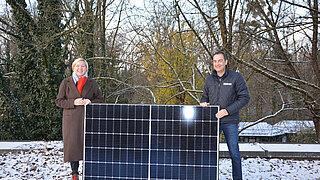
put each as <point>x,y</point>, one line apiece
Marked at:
<point>268,24</point>
<point>156,51</point>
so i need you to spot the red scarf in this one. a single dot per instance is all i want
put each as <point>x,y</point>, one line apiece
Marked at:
<point>81,83</point>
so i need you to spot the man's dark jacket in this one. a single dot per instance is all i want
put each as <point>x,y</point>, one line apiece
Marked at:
<point>230,92</point>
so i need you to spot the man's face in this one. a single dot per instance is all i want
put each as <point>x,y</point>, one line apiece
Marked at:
<point>219,63</point>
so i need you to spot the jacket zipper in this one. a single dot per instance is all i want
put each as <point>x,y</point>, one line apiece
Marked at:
<point>219,90</point>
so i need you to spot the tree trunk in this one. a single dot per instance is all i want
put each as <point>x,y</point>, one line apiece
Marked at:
<point>316,121</point>
<point>315,64</point>
<point>222,21</point>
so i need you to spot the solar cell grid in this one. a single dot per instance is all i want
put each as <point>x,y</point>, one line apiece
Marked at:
<point>150,142</point>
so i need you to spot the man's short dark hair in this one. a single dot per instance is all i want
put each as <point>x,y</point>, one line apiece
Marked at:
<point>221,52</point>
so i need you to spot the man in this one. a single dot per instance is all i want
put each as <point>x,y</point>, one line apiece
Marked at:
<point>227,89</point>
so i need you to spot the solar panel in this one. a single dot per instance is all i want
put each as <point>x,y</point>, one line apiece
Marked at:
<point>130,141</point>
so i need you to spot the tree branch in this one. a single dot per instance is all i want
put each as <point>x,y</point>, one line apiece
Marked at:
<point>192,28</point>
<point>266,117</point>
<point>270,76</point>
<point>299,5</point>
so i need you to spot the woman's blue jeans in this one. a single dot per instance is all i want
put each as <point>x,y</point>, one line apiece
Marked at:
<point>230,132</point>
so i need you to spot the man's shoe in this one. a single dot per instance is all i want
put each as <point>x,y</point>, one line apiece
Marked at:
<point>75,177</point>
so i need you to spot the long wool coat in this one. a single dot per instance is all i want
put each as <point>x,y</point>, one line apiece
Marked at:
<point>73,116</point>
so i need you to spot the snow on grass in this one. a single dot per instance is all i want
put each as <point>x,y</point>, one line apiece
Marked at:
<point>261,168</point>
<point>45,161</point>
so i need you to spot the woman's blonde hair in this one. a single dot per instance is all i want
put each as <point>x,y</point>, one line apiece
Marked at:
<point>77,60</point>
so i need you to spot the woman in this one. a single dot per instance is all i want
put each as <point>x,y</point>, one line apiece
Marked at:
<point>75,92</point>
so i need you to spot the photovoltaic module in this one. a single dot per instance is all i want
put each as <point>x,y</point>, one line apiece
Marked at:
<point>130,141</point>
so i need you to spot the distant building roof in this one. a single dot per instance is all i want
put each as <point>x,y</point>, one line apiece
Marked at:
<point>293,126</point>
<point>280,128</point>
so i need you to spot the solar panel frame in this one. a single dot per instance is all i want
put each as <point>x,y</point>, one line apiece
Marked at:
<point>161,157</point>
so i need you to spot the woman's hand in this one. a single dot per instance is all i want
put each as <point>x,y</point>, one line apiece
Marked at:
<point>86,101</point>
<point>81,102</point>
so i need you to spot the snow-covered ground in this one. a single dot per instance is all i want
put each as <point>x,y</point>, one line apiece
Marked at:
<point>44,160</point>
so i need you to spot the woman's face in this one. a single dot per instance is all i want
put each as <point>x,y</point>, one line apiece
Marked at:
<point>80,68</point>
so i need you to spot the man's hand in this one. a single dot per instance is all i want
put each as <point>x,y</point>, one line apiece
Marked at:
<point>222,113</point>
<point>204,104</point>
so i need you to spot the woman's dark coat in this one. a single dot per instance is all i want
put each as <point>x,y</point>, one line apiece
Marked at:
<point>73,116</point>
